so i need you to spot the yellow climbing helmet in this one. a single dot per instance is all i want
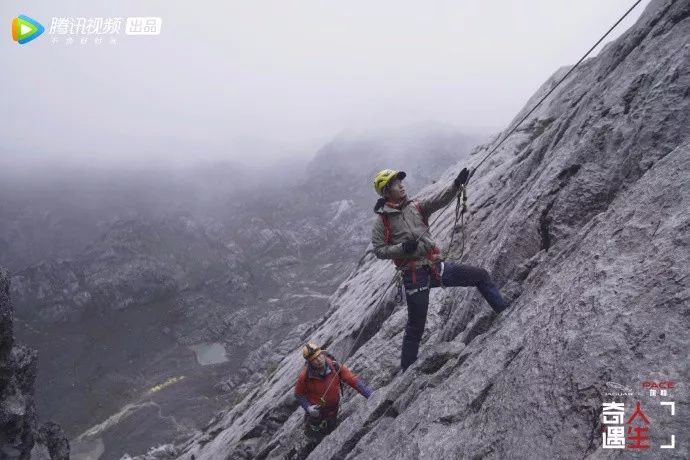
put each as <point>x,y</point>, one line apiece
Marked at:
<point>311,351</point>
<point>383,178</point>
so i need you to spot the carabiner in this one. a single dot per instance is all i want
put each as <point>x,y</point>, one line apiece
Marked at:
<point>399,283</point>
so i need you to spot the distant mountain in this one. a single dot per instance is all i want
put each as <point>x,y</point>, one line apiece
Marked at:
<point>221,272</point>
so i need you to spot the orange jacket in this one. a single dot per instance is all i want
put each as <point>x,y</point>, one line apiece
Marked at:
<point>312,386</point>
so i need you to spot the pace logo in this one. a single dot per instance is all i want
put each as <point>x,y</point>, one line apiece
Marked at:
<point>25,29</point>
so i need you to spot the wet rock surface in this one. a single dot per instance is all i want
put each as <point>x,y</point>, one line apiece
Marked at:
<point>582,218</point>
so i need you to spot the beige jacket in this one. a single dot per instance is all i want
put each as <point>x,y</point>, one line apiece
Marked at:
<point>406,224</point>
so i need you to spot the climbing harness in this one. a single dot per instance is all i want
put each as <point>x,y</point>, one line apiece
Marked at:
<point>320,427</point>
<point>419,289</point>
<point>430,262</point>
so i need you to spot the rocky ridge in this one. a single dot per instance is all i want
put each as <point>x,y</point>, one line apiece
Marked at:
<point>20,434</point>
<point>582,217</point>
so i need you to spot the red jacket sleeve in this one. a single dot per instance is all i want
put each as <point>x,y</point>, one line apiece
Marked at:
<point>300,386</point>
<point>348,376</point>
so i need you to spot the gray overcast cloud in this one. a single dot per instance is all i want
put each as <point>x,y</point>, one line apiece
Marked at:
<point>277,78</point>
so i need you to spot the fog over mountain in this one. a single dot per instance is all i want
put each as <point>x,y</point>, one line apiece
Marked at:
<point>130,280</point>
<point>258,81</point>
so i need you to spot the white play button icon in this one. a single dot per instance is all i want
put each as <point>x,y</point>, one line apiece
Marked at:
<point>24,29</point>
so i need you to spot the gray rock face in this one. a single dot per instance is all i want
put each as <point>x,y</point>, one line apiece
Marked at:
<point>17,376</point>
<point>19,432</point>
<point>582,217</point>
<point>54,439</point>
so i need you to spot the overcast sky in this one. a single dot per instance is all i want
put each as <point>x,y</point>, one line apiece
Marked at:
<point>275,78</point>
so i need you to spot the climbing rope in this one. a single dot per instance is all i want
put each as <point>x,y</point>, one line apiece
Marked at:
<point>460,210</point>
<point>461,204</point>
<point>517,125</point>
<point>572,69</point>
<point>359,335</point>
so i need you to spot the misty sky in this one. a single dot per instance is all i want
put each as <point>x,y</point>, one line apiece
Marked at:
<point>263,79</point>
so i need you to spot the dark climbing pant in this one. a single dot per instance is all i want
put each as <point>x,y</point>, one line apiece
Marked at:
<point>317,428</point>
<point>418,302</point>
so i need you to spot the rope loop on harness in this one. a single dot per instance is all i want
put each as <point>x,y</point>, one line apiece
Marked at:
<point>399,286</point>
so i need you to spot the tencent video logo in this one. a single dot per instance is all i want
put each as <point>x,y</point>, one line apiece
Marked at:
<point>25,29</point>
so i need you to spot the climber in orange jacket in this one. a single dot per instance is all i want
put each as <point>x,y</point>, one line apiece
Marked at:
<point>318,389</point>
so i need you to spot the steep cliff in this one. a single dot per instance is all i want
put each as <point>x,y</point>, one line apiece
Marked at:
<point>582,217</point>
<point>20,435</point>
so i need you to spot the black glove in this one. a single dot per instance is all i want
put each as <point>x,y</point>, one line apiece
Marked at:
<point>410,246</point>
<point>462,177</point>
